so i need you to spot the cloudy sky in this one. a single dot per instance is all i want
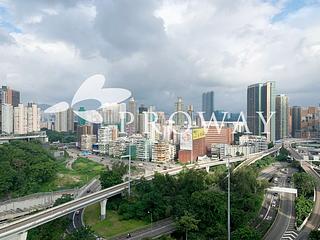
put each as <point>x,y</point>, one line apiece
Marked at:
<point>162,49</point>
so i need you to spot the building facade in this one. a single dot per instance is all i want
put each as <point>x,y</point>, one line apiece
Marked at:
<point>6,119</point>
<point>261,97</point>
<point>26,119</point>
<point>296,121</point>
<point>208,104</point>
<point>282,117</point>
<point>64,121</point>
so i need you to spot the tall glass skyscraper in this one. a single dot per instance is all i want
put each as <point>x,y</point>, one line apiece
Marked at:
<point>208,104</point>
<point>282,116</point>
<point>261,97</point>
<point>296,121</point>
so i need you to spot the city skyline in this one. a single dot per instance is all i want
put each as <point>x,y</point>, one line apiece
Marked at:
<point>173,53</point>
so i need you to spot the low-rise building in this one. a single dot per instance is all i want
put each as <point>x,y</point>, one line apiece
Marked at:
<point>163,152</point>
<point>260,142</point>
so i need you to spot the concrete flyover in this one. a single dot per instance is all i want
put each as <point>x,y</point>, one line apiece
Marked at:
<point>18,229</point>
<point>314,219</point>
<point>255,157</point>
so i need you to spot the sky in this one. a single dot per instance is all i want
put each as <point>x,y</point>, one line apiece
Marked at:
<point>162,49</point>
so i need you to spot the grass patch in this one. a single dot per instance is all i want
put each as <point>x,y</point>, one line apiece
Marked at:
<point>83,170</point>
<point>113,225</point>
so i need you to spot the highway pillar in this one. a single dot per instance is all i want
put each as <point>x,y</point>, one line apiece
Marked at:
<point>23,236</point>
<point>103,205</point>
<point>207,169</point>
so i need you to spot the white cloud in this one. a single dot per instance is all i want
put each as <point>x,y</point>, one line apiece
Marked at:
<point>163,48</point>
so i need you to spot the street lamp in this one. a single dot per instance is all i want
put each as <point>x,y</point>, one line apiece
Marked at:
<point>129,170</point>
<point>149,212</point>
<point>229,222</point>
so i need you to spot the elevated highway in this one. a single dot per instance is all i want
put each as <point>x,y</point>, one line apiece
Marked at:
<point>18,229</point>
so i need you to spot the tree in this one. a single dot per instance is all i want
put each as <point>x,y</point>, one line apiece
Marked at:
<point>84,233</point>
<point>63,199</point>
<point>304,183</point>
<point>270,145</point>
<point>63,137</point>
<point>187,223</point>
<point>110,178</point>
<point>25,167</point>
<point>246,233</point>
<point>314,235</point>
<point>303,207</point>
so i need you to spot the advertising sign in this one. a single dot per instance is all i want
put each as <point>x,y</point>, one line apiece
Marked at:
<point>197,133</point>
<point>186,140</point>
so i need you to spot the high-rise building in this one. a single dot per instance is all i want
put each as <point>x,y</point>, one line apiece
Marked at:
<point>208,104</point>
<point>179,117</point>
<point>64,121</point>
<point>296,121</point>
<point>87,141</point>
<point>26,118</point>
<point>143,149</point>
<point>81,121</point>
<point>190,111</point>
<point>10,96</point>
<point>141,119</point>
<point>310,122</point>
<point>111,114</point>
<point>261,98</point>
<point>132,108</point>
<point>213,136</point>
<point>6,119</point>
<point>282,116</point>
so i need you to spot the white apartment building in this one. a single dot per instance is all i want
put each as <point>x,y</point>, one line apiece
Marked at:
<point>106,134</point>
<point>260,142</point>
<point>111,114</point>
<point>6,119</point>
<point>87,141</point>
<point>118,147</point>
<point>26,119</point>
<point>64,121</point>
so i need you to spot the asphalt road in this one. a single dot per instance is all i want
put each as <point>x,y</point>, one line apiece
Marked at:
<point>76,217</point>
<point>159,228</point>
<point>285,218</point>
<point>314,219</point>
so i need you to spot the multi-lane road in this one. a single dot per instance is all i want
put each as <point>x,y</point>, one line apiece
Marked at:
<point>284,223</point>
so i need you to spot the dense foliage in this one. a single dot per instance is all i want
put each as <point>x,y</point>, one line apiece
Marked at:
<point>198,202</point>
<point>304,183</point>
<point>303,208</point>
<point>25,167</point>
<point>264,162</point>
<point>283,155</point>
<point>314,235</point>
<point>63,137</point>
<point>114,176</point>
<point>304,202</point>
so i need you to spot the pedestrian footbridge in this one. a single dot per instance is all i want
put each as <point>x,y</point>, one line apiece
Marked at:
<point>283,190</point>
